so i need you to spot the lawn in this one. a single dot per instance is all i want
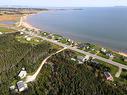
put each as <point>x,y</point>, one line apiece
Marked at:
<point>102,55</point>
<point>120,61</point>
<point>2,29</point>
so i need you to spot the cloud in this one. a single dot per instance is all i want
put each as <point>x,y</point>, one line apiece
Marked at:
<point>64,3</point>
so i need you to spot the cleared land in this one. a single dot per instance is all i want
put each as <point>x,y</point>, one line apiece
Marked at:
<point>9,17</point>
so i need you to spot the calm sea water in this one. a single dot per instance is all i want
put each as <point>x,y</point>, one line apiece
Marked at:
<point>105,26</point>
<point>7,22</point>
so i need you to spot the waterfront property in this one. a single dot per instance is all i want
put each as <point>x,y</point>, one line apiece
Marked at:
<point>82,59</point>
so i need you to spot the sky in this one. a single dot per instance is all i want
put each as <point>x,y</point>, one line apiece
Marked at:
<point>64,3</point>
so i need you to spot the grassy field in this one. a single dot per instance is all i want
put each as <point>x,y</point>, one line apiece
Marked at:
<point>4,29</point>
<point>120,61</point>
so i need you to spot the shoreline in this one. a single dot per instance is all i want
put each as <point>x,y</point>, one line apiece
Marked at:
<point>25,24</point>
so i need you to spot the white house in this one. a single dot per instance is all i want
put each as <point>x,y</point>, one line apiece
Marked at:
<point>22,73</point>
<point>21,86</point>
<point>87,57</point>
<point>82,59</point>
<point>110,55</point>
<point>1,33</point>
<point>103,50</point>
<point>28,38</point>
<point>21,33</point>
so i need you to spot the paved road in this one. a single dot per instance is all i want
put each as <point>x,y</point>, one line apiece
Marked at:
<point>33,77</point>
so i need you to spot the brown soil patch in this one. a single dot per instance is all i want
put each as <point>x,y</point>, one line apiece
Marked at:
<point>9,17</point>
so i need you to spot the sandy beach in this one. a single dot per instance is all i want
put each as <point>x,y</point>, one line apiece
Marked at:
<point>24,23</point>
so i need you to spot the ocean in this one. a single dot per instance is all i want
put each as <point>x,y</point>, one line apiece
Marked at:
<point>7,22</point>
<point>104,26</point>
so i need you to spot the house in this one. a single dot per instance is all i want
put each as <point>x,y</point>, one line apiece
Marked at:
<point>81,46</point>
<point>87,47</point>
<point>51,36</point>
<point>69,40</point>
<point>22,73</point>
<point>82,59</point>
<point>108,76</point>
<point>125,59</point>
<point>95,64</point>
<point>110,55</point>
<point>103,50</point>
<point>1,33</point>
<point>21,33</point>
<point>87,57</point>
<point>28,38</point>
<point>93,49</point>
<point>21,86</point>
<point>45,33</point>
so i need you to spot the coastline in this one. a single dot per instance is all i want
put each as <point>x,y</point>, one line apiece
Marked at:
<point>25,24</point>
